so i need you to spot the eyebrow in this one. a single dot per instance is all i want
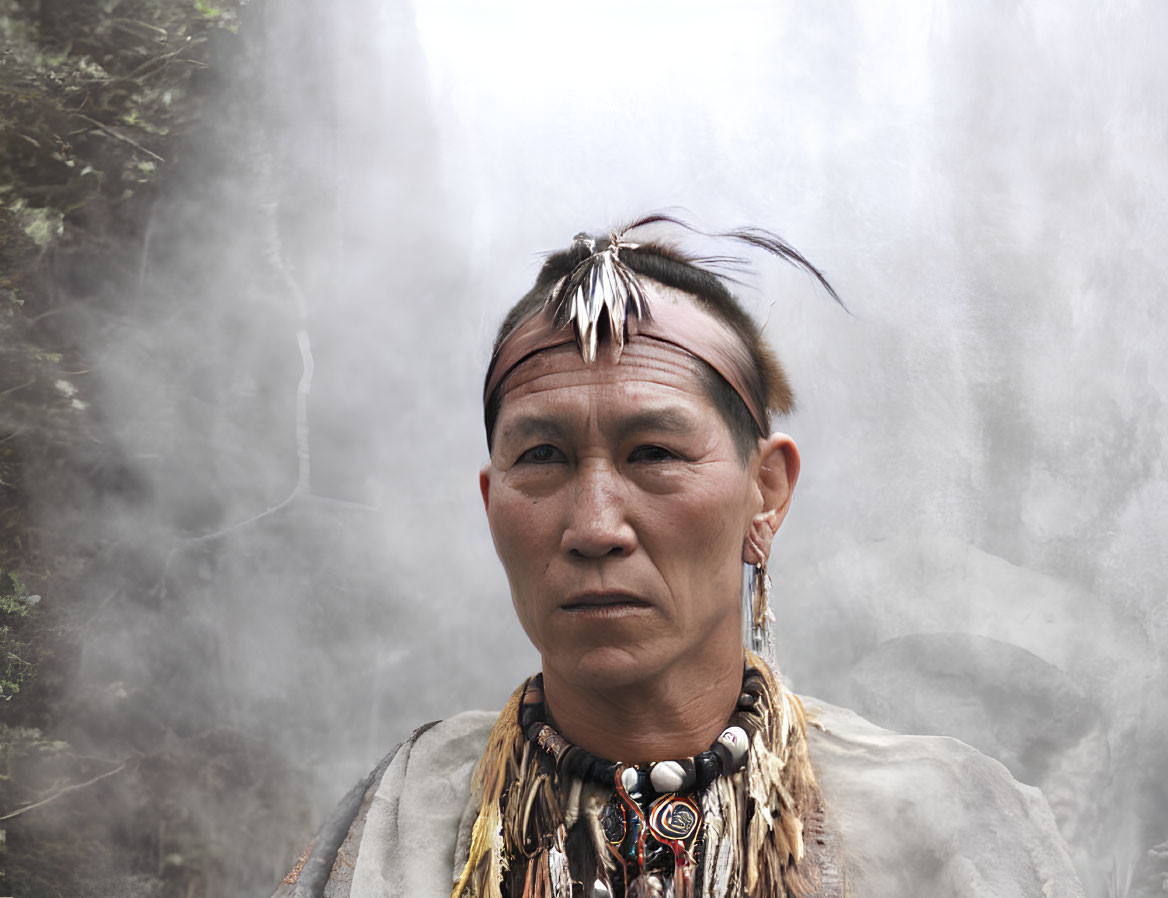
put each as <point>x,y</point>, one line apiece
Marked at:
<point>666,419</point>
<point>529,426</point>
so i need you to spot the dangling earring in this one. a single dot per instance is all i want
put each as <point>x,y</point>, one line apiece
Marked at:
<point>757,630</point>
<point>757,633</point>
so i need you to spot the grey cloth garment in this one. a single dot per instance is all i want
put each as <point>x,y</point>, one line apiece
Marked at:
<point>917,815</point>
<point>930,816</point>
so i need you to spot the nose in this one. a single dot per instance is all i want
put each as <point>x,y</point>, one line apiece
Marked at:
<point>597,523</point>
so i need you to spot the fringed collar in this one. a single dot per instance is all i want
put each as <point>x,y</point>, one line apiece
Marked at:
<point>544,833</point>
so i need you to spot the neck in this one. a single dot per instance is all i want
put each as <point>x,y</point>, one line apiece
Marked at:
<point>672,716</point>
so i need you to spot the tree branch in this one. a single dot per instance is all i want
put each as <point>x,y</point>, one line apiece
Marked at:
<point>67,789</point>
<point>112,133</point>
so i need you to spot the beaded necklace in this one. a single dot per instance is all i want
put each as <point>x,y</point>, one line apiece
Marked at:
<point>555,821</point>
<point>652,823</point>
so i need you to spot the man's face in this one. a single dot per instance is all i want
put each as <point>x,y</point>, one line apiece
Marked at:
<point>618,506</point>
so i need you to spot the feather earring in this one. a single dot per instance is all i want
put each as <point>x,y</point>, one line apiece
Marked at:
<point>758,632</point>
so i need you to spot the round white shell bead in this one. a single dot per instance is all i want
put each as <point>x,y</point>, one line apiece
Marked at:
<point>734,738</point>
<point>629,778</point>
<point>667,776</point>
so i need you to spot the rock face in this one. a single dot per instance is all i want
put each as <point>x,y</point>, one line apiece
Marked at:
<point>1062,682</point>
<point>983,691</point>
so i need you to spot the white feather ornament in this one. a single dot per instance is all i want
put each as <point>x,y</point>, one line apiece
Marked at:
<point>599,284</point>
<point>559,874</point>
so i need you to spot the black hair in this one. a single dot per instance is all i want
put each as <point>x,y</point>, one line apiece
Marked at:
<point>765,380</point>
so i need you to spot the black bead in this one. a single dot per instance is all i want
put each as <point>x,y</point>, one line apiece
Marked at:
<point>706,768</point>
<point>575,762</point>
<point>529,714</point>
<point>725,759</point>
<point>603,772</point>
<point>658,858</point>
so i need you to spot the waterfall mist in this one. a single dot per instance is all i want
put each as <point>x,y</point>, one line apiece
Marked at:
<point>975,548</point>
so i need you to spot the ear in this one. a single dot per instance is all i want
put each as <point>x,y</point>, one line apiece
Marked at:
<point>485,485</point>
<point>778,469</point>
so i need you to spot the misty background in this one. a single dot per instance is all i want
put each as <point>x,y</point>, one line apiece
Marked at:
<point>284,545</point>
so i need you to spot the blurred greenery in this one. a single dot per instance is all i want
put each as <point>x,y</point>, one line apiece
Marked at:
<point>20,642</point>
<point>100,103</point>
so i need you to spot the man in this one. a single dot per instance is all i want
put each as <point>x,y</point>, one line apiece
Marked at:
<point>632,475</point>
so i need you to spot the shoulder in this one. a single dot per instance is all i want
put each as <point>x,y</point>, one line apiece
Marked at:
<point>931,815</point>
<point>405,814</point>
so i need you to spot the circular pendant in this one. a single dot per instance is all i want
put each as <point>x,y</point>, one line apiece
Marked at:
<point>673,818</point>
<point>613,823</point>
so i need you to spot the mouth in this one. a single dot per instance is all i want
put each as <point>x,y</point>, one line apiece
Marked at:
<point>604,604</point>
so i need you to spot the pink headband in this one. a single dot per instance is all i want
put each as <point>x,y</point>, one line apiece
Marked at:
<point>679,324</point>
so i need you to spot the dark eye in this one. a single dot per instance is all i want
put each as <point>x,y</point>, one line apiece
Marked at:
<point>651,453</point>
<point>543,454</point>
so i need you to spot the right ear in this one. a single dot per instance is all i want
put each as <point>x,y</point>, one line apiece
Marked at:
<point>485,485</point>
<point>777,472</point>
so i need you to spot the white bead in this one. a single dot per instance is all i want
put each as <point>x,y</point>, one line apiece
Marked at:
<point>629,778</point>
<point>734,738</point>
<point>667,776</point>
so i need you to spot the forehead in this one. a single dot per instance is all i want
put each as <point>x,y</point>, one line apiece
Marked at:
<point>643,358</point>
<point>653,384</point>
<point>644,364</point>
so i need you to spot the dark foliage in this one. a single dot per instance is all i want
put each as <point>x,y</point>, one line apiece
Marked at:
<point>104,789</point>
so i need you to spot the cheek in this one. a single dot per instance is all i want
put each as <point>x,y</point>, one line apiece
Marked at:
<point>518,526</point>
<point>723,511</point>
<point>707,535</point>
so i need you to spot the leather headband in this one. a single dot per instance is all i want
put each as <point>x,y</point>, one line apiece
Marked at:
<point>680,324</point>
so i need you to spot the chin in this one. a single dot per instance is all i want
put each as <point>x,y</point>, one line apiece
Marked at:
<point>607,667</point>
